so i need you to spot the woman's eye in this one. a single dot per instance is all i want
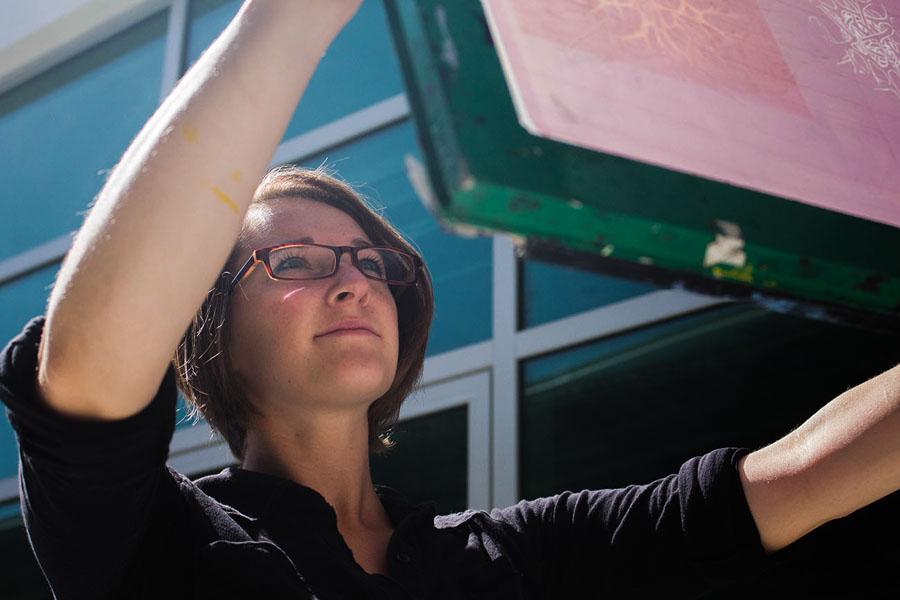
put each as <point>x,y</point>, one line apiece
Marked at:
<point>292,262</point>
<point>372,265</point>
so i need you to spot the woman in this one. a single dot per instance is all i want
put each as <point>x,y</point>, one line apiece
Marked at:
<point>312,399</point>
<point>300,355</point>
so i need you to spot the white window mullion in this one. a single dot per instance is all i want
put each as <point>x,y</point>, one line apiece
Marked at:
<point>612,319</point>
<point>175,40</point>
<point>74,32</point>
<point>505,380</point>
<point>340,131</point>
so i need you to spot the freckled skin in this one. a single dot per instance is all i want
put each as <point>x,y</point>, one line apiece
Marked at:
<point>274,341</point>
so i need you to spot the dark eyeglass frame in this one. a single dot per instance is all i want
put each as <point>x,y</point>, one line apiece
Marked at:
<point>261,255</point>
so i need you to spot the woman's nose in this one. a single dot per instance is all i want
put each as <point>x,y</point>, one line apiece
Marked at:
<point>349,282</point>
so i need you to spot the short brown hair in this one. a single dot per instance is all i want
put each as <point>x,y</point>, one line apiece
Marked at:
<point>202,362</point>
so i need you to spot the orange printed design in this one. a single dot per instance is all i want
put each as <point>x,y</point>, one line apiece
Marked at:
<point>690,33</point>
<point>727,46</point>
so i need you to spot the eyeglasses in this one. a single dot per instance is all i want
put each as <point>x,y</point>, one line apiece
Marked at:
<point>318,261</point>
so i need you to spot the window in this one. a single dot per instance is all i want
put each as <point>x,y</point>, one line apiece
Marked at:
<point>551,292</point>
<point>63,131</point>
<point>429,461</point>
<point>633,407</point>
<point>358,70</point>
<point>66,128</point>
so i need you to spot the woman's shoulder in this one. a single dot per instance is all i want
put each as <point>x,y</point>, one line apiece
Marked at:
<point>213,517</point>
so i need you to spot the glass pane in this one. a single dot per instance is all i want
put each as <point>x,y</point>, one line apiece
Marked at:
<point>633,408</point>
<point>20,300</point>
<point>20,576</point>
<point>551,292</point>
<point>358,70</point>
<point>24,298</point>
<point>208,18</point>
<point>461,268</point>
<point>65,129</point>
<point>9,512</point>
<point>429,460</point>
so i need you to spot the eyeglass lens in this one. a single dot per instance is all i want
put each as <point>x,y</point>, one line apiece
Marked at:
<point>311,262</point>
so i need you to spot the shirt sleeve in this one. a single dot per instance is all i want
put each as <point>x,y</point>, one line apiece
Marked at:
<point>87,487</point>
<point>682,535</point>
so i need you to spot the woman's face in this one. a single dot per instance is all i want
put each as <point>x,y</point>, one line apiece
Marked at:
<point>279,343</point>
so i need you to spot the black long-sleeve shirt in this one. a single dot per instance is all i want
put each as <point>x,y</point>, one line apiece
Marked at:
<point>107,518</point>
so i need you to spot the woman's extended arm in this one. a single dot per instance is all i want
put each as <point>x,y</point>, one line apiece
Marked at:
<point>841,459</point>
<point>166,220</point>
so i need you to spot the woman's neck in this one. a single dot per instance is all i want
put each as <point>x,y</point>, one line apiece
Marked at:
<point>330,456</point>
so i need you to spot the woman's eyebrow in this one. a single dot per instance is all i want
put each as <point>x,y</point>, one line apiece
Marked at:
<point>309,240</point>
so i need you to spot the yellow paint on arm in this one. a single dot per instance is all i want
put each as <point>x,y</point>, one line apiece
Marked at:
<point>236,176</point>
<point>190,134</point>
<point>225,199</point>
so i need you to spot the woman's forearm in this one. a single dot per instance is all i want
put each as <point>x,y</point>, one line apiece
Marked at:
<point>164,223</point>
<point>844,457</point>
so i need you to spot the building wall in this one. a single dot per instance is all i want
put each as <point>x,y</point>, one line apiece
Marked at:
<point>538,377</point>
<point>25,19</point>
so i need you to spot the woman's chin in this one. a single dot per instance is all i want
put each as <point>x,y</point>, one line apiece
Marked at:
<point>362,380</point>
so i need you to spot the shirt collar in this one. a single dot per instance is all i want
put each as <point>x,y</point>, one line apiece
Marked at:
<point>257,494</point>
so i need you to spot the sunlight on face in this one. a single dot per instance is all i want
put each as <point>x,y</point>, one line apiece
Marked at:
<point>283,345</point>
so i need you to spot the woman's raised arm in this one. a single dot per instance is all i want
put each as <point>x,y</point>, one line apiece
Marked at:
<point>166,220</point>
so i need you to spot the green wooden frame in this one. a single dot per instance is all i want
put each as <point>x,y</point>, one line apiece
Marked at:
<point>612,214</point>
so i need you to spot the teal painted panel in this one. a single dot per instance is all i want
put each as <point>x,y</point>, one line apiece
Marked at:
<point>359,69</point>
<point>461,268</point>
<point>61,133</point>
<point>20,301</point>
<point>551,292</point>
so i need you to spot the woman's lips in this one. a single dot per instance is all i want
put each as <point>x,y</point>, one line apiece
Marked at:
<point>350,327</point>
<point>346,332</point>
